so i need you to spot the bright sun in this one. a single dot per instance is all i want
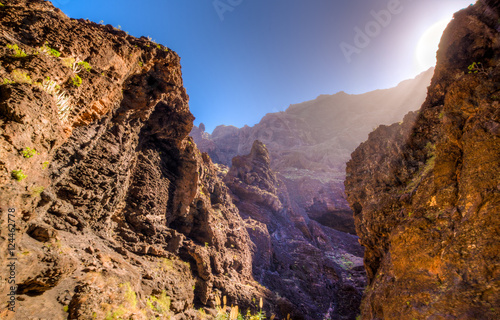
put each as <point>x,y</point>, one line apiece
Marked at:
<point>428,45</point>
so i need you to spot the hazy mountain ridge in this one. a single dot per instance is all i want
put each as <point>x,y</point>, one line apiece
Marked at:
<point>310,143</point>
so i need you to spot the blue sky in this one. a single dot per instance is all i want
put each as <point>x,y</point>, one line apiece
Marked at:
<point>264,55</point>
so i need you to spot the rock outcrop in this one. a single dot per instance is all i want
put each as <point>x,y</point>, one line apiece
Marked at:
<point>107,205</point>
<point>309,265</point>
<point>311,142</point>
<point>426,192</point>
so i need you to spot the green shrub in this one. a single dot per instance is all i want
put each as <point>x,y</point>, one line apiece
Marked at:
<point>18,175</point>
<point>45,165</point>
<point>53,52</point>
<point>18,53</point>
<point>2,5</point>
<point>476,67</point>
<point>85,65</point>
<point>76,80</point>
<point>7,81</point>
<point>28,152</point>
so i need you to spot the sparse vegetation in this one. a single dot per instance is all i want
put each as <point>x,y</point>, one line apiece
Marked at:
<point>85,65</point>
<point>76,80</point>
<point>166,264</point>
<point>37,191</point>
<point>345,263</point>
<point>130,303</point>
<point>232,313</point>
<point>160,304</point>
<point>45,165</point>
<point>29,152</point>
<point>18,175</point>
<point>21,77</point>
<point>49,51</point>
<point>18,52</point>
<point>76,64</point>
<point>68,62</point>
<point>7,81</point>
<point>476,67</point>
<point>50,86</point>
<point>62,101</point>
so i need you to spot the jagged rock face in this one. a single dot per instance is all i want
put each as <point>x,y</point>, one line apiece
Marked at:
<point>310,266</point>
<point>426,193</point>
<point>311,142</point>
<point>114,204</point>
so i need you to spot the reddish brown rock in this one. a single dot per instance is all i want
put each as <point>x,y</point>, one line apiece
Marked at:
<point>426,193</point>
<point>114,204</point>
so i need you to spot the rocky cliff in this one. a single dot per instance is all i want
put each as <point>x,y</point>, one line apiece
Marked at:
<point>311,142</point>
<point>108,209</point>
<point>316,268</point>
<point>426,192</point>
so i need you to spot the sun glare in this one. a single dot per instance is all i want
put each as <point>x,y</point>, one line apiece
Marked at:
<point>428,45</point>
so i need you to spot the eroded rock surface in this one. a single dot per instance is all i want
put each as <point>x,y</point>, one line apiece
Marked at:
<point>114,204</point>
<point>426,193</point>
<point>309,265</point>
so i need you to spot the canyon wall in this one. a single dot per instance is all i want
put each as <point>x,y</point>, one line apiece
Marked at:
<point>316,268</point>
<point>107,205</point>
<point>426,192</point>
